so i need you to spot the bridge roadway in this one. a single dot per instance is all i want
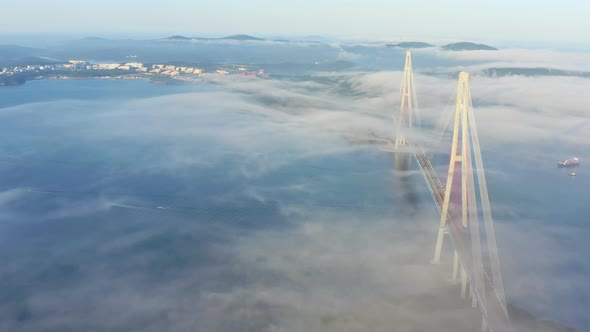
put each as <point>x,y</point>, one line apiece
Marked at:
<point>492,307</point>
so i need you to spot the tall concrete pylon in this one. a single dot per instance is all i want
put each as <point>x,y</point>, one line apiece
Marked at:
<point>465,165</point>
<point>408,103</point>
<point>460,132</point>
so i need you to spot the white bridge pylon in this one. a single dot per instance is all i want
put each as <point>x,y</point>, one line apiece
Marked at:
<point>408,107</point>
<point>458,204</point>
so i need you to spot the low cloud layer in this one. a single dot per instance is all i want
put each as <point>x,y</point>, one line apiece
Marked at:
<point>523,58</point>
<point>259,206</point>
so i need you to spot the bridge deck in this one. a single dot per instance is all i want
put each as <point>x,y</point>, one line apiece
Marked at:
<point>493,309</point>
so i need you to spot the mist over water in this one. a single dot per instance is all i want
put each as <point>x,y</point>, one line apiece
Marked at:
<point>259,206</point>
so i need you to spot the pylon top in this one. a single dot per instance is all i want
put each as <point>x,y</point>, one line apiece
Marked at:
<point>464,75</point>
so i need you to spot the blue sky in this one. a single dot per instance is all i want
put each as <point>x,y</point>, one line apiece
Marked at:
<point>498,20</point>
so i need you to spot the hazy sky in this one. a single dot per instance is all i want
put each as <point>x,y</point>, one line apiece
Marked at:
<point>548,20</point>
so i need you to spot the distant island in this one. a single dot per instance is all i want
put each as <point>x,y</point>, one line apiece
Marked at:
<point>467,46</point>
<point>177,37</point>
<point>536,71</point>
<point>232,37</point>
<point>410,45</point>
<point>15,51</point>
<point>461,46</point>
<point>513,71</point>
<point>241,37</point>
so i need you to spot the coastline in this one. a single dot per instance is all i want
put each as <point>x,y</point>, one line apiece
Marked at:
<point>156,79</point>
<point>164,81</point>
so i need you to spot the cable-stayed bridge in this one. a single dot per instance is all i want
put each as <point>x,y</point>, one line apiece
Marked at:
<point>463,201</point>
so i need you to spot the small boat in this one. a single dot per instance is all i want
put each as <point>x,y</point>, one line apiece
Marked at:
<point>572,174</point>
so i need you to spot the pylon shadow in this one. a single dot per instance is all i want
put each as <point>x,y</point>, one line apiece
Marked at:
<point>409,199</point>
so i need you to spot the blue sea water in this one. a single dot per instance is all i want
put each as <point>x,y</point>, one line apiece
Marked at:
<point>99,181</point>
<point>92,189</point>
